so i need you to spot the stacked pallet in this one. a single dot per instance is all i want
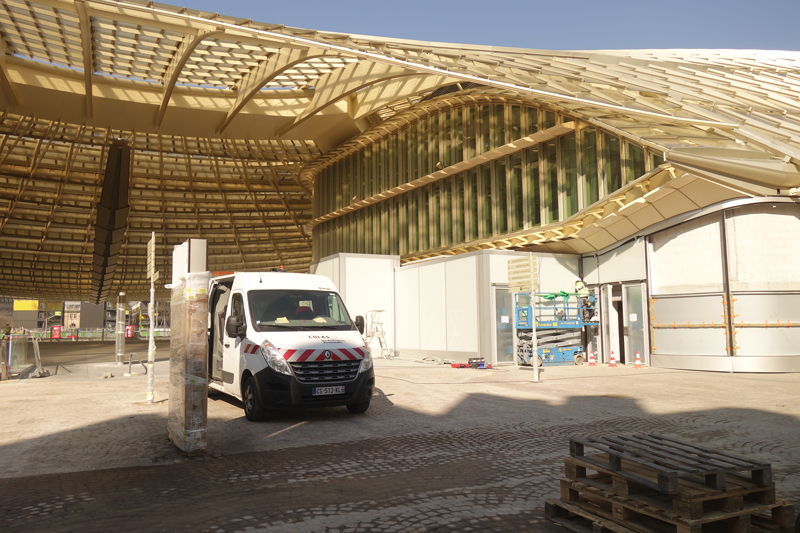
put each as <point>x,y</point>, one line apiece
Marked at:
<point>655,484</point>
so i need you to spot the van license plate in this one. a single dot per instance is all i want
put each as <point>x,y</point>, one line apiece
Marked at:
<point>320,391</point>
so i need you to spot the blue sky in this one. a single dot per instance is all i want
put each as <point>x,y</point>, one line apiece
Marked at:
<point>554,25</point>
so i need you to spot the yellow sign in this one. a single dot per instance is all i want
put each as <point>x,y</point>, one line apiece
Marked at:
<point>26,305</point>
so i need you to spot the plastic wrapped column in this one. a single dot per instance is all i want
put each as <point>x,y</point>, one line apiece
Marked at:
<point>188,363</point>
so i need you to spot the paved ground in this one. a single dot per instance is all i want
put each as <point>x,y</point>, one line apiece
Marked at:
<point>440,449</point>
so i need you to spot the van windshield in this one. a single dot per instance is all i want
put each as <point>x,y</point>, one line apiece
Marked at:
<point>275,310</point>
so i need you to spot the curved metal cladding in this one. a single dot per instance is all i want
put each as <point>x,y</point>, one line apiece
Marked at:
<point>724,291</point>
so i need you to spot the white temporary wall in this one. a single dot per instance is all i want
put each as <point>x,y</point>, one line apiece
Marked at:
<point>557,272</point>
<point>432,307</point>
<point>763,248</point>
<point>366,283</point>
<point>687,258</point>
<point>462,298</point>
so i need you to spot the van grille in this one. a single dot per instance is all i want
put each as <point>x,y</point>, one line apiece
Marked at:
<point>326,371</point>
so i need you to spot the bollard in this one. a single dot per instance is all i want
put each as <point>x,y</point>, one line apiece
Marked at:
<point>536,378</point>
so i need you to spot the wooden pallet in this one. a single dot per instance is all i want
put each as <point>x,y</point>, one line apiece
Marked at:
<point>641,516</point>
<point>581,520</point>
<point>692,500</point>
<point>669,460</point>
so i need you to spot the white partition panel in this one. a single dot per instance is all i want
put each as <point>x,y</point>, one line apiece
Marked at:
<point>624,263</point>
<point>328,267</point>
<point>763,248</point>
<point>557,272</point>
<point>366,283</point>
<point>687,259</point>
<point>432,315</point>
<point>461,278</point>
<point>407,308</point>
<point>369,286</point>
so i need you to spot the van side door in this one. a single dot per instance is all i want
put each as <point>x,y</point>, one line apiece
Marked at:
<point>232,347</point>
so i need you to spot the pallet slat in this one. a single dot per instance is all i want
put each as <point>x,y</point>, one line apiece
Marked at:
<point>670,459</point>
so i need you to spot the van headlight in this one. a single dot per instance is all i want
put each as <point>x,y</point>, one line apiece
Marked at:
<point>274,359</point>
<point>366,363</point>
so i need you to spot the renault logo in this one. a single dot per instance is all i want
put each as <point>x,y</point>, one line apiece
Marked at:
<point>327,354</point>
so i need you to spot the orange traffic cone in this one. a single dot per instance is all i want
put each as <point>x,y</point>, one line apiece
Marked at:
<point>591,358</point>
<point>613,360</point>
<point>638,360</point>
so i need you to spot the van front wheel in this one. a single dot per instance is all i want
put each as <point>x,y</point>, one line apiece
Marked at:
<point>252,407</point>
<point>357,408</point>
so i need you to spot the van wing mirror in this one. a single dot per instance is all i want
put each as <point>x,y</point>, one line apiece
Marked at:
<point>360,324</point>
<point>233,326</point>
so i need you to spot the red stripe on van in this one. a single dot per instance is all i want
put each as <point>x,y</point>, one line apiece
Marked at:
<point>359,351</point>
<point>288,354</point>
<point>306,355</point>
<point>347,354</point>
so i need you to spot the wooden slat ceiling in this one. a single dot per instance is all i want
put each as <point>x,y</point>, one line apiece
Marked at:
<point>228,118</point>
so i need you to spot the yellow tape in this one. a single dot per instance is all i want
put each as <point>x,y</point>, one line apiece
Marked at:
<point>192,294</point>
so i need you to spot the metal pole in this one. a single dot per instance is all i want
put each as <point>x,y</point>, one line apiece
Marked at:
<point>151,347</point>
<point>120,331</point>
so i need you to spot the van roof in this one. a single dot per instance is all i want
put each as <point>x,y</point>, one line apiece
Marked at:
<point>279,280</point>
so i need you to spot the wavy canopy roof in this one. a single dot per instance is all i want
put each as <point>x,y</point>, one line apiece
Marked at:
<point>222,116</point>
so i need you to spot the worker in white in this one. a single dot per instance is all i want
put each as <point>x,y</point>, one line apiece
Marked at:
<point>582,292</point>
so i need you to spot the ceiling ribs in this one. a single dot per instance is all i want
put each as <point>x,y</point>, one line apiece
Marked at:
<point>176,64</point>
<point>342,82</point>
<point>87,45</point>
<point>25,180</point>
<point>5,81</point>
<point>60,191</point>
<point>210,153</point>
<point>261,214</point>
<point>265,72</point>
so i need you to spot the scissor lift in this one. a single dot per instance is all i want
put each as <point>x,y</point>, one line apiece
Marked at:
<point>559,319</point>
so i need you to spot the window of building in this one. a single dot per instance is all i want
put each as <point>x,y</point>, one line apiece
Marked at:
<point>549,120</point>
<point>517,192</point>
<point>534,200</point>
<point>487,200</point>
<point>550,160</point>
<point>569,163</point>
<point>612,163</point>
<point>458,135</point>
<point>471,125</point>
<point>501,198</point>
<point>531,120</point>
<point>447,143</point>
<point>498,126</point>
<point>634,161</point>
<point>436,215</point>
<point>591,189</point>
<point>485,140</point>
<point>472,181</point>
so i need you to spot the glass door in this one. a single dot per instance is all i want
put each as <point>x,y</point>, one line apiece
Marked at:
<point>634,322</point>
<point>503,325</point>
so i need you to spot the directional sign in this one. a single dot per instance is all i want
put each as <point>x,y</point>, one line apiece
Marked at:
<point>151,257</point>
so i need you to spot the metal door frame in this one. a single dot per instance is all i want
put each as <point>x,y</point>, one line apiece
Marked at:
<point>493,306</point>
<point>631,355</point>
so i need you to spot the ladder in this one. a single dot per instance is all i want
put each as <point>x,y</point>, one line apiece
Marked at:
<point>375,331</point>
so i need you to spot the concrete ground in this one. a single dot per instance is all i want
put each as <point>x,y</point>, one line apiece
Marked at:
<point>440,449</point>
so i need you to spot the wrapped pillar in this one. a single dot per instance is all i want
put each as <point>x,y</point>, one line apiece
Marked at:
<point>188,349</point>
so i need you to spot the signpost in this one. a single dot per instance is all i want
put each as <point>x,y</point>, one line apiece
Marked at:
<point>151,346</point>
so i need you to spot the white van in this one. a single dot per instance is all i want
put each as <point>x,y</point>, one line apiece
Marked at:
<point>278,339</point>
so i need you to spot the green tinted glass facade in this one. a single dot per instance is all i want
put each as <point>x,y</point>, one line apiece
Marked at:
<point>518,189</point>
